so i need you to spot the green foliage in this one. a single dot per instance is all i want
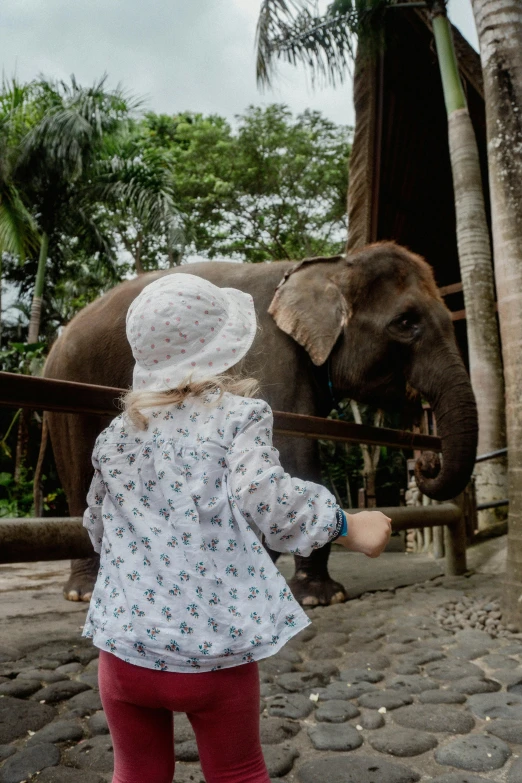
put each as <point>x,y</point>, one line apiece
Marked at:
<point>273,188</point>
<point>58,161</point>
<point>136,182</point>
<point>16,498</point>
<point>16,494</point>
<point>18,233</point>
<point>25,358</point>
<point>341,468</point>
<point>295,31</point>
<point>5,448</point>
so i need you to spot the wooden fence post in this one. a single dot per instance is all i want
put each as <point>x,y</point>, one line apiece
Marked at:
<point>438,543</point>
<point>455,542</point>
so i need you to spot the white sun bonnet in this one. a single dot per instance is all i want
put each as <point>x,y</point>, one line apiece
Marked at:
<point>182,325</point>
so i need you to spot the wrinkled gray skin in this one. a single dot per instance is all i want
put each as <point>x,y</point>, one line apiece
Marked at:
<point>376,315</point>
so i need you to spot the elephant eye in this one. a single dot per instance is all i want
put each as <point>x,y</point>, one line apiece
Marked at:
<point>406,324</point>
<point>404,320</point>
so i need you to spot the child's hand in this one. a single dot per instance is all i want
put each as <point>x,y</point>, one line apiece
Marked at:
<point>368,532</point>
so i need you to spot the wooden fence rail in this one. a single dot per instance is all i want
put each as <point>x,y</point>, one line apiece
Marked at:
<point>58,538</point>
<point>25,391</point>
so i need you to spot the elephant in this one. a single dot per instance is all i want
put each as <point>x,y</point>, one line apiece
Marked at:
<point>369,325</point>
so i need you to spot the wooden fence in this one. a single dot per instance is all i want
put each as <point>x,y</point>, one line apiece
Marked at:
<point>26,540</point>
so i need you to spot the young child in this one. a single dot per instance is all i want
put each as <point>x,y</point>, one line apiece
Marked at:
<point>187,599</point>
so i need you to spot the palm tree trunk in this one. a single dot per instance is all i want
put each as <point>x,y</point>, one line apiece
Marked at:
<point>476,272</point>
<point>36,305</point>
<point>499,27</point>
<point>22,443</point>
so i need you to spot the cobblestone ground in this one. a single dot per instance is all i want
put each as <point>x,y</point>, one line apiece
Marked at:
<point>420,683</point>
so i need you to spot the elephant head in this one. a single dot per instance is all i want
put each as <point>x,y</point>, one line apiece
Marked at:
<point>376,316</point>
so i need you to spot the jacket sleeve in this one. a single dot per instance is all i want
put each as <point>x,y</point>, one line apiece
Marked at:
<point>92,518</point>
<point>295,516</point>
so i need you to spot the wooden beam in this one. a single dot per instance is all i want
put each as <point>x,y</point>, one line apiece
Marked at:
<point>294,424</point>
<point>48,538</point>
<point>458,315</point>
<point>27,540</point>
<point>454,288</point>
<point>417,517</point>
<point>24,391</point>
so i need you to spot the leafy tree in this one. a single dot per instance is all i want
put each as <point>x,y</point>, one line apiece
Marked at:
<point>56,167</point>
<point>18,112</point>
<point>272,188</point>
<point>18,233</point>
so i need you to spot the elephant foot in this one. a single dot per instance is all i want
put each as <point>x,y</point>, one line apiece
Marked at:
<point>311,590</point>
<point>80,584</point>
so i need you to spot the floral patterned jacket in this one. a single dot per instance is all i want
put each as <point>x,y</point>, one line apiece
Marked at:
<point>184,582</point>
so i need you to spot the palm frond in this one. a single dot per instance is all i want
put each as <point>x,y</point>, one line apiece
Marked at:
<point>323,43</point>
<point>18,231</point>
<point>273,16</point>
<point>24,308</point>
<point>72,129</point>
<point>59,139</point>
<point>142,187</point>
<point>95,239</point>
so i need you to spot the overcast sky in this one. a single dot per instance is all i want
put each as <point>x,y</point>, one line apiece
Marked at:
<point>179,55</point>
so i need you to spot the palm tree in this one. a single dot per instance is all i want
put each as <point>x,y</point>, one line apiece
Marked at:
<point>55,166</point>
<point>499,27</point>
<point>136,184</point>
<point>74,169</point>
<point>18,233</point>
<point>288,29</point>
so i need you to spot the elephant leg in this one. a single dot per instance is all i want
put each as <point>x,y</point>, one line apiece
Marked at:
<point>311,584</point>
<point>274,556</point>
<point>72,438</point>
<point>81,579</point>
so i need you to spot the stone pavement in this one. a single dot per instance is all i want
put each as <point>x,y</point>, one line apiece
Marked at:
<point>420,682</point>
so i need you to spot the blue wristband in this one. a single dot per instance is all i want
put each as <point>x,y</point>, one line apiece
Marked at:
<point>343,523</point>
<point>344,528</point>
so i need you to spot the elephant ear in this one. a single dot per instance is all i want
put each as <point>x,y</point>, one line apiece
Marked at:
<point>311,308</point>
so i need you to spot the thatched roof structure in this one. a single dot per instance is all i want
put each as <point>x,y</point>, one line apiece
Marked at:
<point>400,176</point>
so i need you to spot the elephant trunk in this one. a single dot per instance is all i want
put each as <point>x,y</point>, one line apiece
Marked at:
<point>450,395</point>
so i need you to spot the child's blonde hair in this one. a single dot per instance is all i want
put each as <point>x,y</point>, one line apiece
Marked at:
<point>133,402</point>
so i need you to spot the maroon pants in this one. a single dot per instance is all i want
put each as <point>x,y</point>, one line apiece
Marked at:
<point>222,706</point>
